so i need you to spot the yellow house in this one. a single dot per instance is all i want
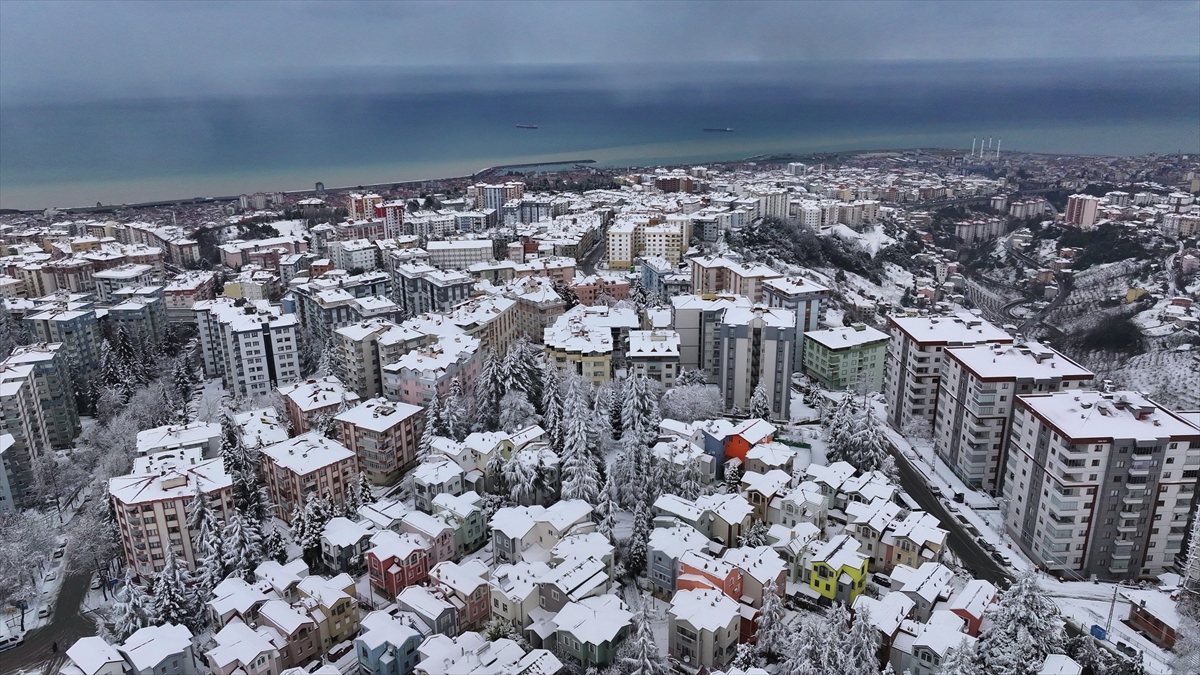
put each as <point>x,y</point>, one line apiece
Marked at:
<point>583,349</point>
<point>838,572</point>
<point>1134,294</point>
<point>333,603</point>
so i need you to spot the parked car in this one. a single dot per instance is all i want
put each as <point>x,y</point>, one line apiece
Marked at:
<point>935,491</point>
<point>10,641</point>
<point>43,612</point>
<point>999,557</point>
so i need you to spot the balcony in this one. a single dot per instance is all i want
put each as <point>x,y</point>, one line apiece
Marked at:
<point>1122,555</point>
<point>1140,455</point>
<point>1068,477</point>
<point>1134,498</point>
<point>1124,542</point>
<point>1127,529</point>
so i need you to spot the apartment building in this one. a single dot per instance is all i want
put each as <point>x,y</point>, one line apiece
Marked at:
<point>578,346</point>
<point>914,361</point>
<point>78,330</point>
<point>756,347</point>
<point>1081,211</point>
<point>419,288</point>
<point>459,254</point>
<point>850,357</point>
<point>253,349</point>
<point>306,401</point>
<point>109,280</point>
<point>538,306</point>
<point>22,419</point>
<point>354,254</point>
<point>698,320</point>
<point>423,374</point>
<point>151,505</point>
<point>1100,483</point>
<point>384,435</point>
<point>304,465</point>
<point>337,299</point>
<point>52,377</point>
<point>360,351</point>
<point>654,354</point>
<point>491,319</point>
<point>620,249</point>
<point>804,297</point>
<point>715,274</point>
<point>976,399</point>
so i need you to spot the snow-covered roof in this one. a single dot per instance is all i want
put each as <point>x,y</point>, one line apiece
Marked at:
<point>594,620</point>
<point>238,643</point>
<point>678,506</point>
<point>770,483</point>
<point>281,577</point>
<point>926,582</point>
<point>1060,664</point>
<point>519,580</point>
<point>775,317</point>
<point>583,545</point>
<point>772,454</point>
<point>653,343</point>
<point>378,414</point>
<point>1100,415</point>
<point>149,646</point>
<point>468,654</point>
<point>379,628</point>
<point>878,514</point>
<point>730,508</point>
<point>261,427</point>
<point>754,430</point>
<point>1028,360</point>
<point>307,453</point>
<point>761,563</point>
<point>342,532</point>
<point>887,612</point>
<point>437,471</point>
<point>832,475</point>
<point>516,521</point>
<point>319,393</point>
<point>839,552</point>
<point>462,577</point>
<point>705,609</point>
<point>794,286</point>
<point>1156,603</point>
<point>962,329</point>
<point>846,337</point>
<point>387,544</point>
<point>974,598</point>
<point>90,654</point>
<point>284,617</point>
<point>423,601</point>
<point>328,592</point>
<point>942,633</point>
<point>233,594</point>
<point>170,475</point>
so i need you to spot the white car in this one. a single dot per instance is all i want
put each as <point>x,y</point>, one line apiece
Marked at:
<point>43,612</point>
<point>51,577</point>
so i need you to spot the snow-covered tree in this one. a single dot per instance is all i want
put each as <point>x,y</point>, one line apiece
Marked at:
<point>428,431</point>
<point>211,566</point>
<point>606,509</point>
<point>691,402</point>
<point>760,404</point>
<point>12,334</point>
<point>489,389</point>
<point>365,495</point>
<point>599,427</point>
<point>859,646</point>
<point>318,511</point>
<point>552,405</point>
<point>691,377</point>
<point>774,635</point>
<point>580,475</point>
<point>643,657</point>
<point>274,547</point>
<point>495,472</point>
<point>525,473</point>
<point>243,546</point>
<point>639,540</point>
<point>691,479</point>
<point>1026,626</point>
<point>523,369</point>
<point>639,409</point>
<point>132,611</point>
<point>960,661</point>
<point>755,535</point>
<point>616,388</point>
<point>516,412</point>
<point>453,414</point>
<point>174,601</point>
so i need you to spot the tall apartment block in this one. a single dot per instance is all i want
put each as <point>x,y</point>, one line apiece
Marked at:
<point>361,350</point>
<point>79,332</point>
<point>914,360</point>
<point>52,377</point>
<point>151,505</point>
<point>384,435</point>
<point>1100,483</point>
<point>698,322</point>
<point>1081,211</point>
<point>251,350</point>
<point>806,298</point>
<point>976,399</point>
<point>757,346</point>
<point>21,417</point>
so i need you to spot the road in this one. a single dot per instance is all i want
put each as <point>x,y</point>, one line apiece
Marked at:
<point>960,541</point>
<point>68,625</point>
<point>589,260</point>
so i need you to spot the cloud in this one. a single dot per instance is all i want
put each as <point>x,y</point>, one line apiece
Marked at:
<point>97,49</point>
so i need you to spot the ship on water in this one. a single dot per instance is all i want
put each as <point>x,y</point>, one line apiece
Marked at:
<point>722,129</point>
<point>526,126</point>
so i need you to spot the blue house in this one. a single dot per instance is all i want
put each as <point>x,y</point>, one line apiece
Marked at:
<point>388,645</point>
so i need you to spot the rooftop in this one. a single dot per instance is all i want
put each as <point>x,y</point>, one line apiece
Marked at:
<point>1100,415</point>
<point>847,337</point>
<point>307,453</point>
<point>705,609</point>
<point>1028,360</point>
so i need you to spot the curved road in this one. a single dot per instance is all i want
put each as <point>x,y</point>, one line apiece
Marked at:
<point>68,624</point>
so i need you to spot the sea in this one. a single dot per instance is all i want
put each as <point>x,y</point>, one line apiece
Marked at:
<point>380,126</point>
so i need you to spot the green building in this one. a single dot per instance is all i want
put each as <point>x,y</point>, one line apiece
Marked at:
<point>841,358</point>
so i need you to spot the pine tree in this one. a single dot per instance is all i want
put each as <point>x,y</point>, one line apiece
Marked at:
<point>580,476</point>
<point>489,390</point>
<point>523,370</point>
<point>616,406</point>
<point>1026,626</point>
<point>365,495</point>
<point>351,502</point>
<point>132,609</point>
<point>318,511</point>
<point>428,431</point>
<point>274,547</point>
<point>635,559</point>
<point>606,510</point>
<point>520,474</point>
<point>960,661</point>
<point>860,645</point>
<point>200,520</point>
<point>760,405</point>
<point>210,567</point>
<point>755,535</point>
<point>692,480</point>
<point>691,377</point>
<point>453,414</point>
<point>639,409</point>
<point>599,423</point>
<point>773,632</point>
<point>495,473</point>
<point>644,658</point>
<point>516,412</point>
<point>174,601</point>
<point>552,406</point>
<point>243,547</point>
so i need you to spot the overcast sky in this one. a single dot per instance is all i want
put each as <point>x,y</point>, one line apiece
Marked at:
<point>83,50</point>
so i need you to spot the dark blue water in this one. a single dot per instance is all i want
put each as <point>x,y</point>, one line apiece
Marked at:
<point>372,128</point>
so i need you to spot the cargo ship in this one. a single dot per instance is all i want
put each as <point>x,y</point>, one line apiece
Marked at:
<point>724,129</point>
<point>526,126</point>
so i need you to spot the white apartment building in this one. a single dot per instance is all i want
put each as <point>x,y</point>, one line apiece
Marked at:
<point>361,350</point>
<point>1100,482</point>
<point>460,254</point>
<point>976,398</point>
<point>620,251</point>
<point>804,297</point>
<point>109,280</point>
<point>715,274</point>
<point>151,505</point>
<point>252,352</point>
<point>354,254</point>
<point>22,417</point>
<point>914,360</point>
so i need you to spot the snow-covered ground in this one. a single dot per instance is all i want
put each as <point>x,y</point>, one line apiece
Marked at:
<point>1089,604</point>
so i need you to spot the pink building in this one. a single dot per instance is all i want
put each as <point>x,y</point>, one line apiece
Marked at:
<point>590,288</point>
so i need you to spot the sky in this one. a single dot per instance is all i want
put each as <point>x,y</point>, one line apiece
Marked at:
<point>97,50</point>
